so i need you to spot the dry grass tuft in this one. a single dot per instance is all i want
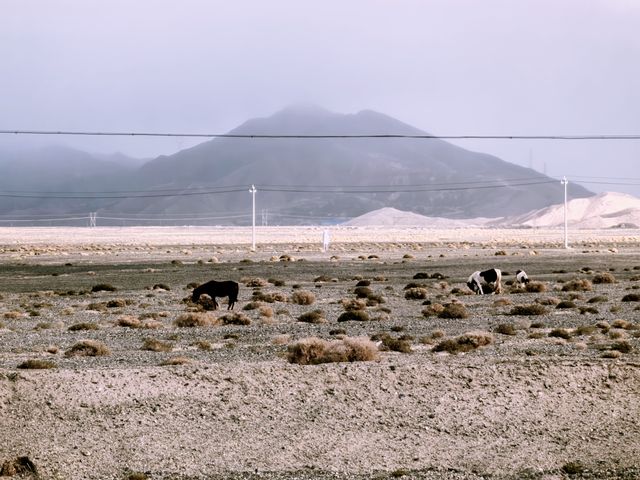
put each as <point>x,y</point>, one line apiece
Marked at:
<point>631,297</point>
<point>13,315</point>
<point>560,333</point>
<point>252,305</point>
<point>235,319</point>
<point>433,310</point>
<point>202,345</point>
<point>585,330</point>
<point>353,304</point>
<point>281,339</point>
<point>36,364</point>
<point>502,302</point>
<point>103,287</point>
<point>598,299</point>
<point>390,343</point>
<point>22,467</point>
<point>83,326</point>
<point>464,343</point>
<point>176,361</point>
<point>624,324</point>
<point>550,301</point>
<point>255,282</point>
<point>622,347</point>
<point>265,311</point>
<point>566,304</point>
<point>303,297</point>
<point>88,348</point>
<point>531,309</point>
<point>454,310</point>
<point>506,329</point>
<point>604,277</point>
<point>585,310</point>
<point>577,285</point>
<point>129,321</point>
<point>155,345</point>
<point>356,315</point>
<point>315,316</point>
<point>362,292</point>
<point>416,293</point>
<point>535,287</point>
<point>195,319</point>
<point>314,351</point>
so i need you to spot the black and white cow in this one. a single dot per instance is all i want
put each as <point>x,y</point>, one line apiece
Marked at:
<point>491,277</point>
<point>521,277</point>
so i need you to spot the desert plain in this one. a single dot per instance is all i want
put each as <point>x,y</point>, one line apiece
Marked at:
<point>534,383</point>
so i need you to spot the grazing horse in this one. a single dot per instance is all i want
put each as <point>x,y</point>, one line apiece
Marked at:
<point>215,289</point>
<point>521,277</point>
<point>491,276</point>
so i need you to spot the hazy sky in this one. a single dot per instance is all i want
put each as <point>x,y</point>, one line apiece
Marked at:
<point>447,67</point>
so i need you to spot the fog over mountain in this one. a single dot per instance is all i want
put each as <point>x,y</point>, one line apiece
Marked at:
<point>299,180</point>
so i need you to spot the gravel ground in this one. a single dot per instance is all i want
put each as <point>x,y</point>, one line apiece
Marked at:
<point>528,405</point>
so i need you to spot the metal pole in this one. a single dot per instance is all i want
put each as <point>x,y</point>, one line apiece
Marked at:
<point>253,218</point>
<point>565,182</point>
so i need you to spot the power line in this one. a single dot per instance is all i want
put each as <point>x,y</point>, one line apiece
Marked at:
<point>425,136</point>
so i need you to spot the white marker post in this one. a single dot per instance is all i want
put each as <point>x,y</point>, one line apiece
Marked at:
<point>253,191</point>
<point>565,182</point>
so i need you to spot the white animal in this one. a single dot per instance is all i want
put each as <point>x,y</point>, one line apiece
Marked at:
<point>491,277</point>
<point>521,277</point>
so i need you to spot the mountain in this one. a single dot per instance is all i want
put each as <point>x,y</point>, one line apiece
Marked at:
<point>302,180</point>
<point>425,176</point>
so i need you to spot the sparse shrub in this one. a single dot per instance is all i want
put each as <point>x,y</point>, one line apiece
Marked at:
<point>83,326</point>
<point>631,297</point>
<point>598,299</point>
<point>252,306</point>
<point>103,287</point>
<point>194,319</point>
<point>585,330</point>
<point>535,287</point>
<point>433,310</point>
<point>390,343</point>
<point>88,348</point>
<point>155,345</point>
<point>537,325</point>
<point>13,315</point>
<point>162,286</point>
<point>255,282</point>
<point>577,285</point>
<point>531,309</point>
<point>315,316</point>
<point>37,364</point>
<point>421,276</point>
<point>411,285</point>
<point>535,335</point>
<point>276,282</point>
<point>23,467</point>
<point>624,324</point>
<point>464,343</point>
<point>303,297</point>
<point>363,283</point>
<point>353,304</point>
<point>573,468</point>
<point>550,301</point>
<point>176,361</point>
<point>202,345</point>
<point>322,278</point>
<point>407,256</point>
<point>137,476</point>
<point>611,354</point>
<point>337,331</point>
<point>313,351</point>
<point>356,315</point>
<point>584,310</point>
<point>97,307</point>
<point>176,263</point>
<point>116,303</point>
<point>235,319</point>
<point>622,346</point>
<point>502,302</point>
<point>560,333</point>
<point>604,277</point>
<point>362,292</point>
<point>416,293</point>
<point>566,304</point>
<point>129,321</point>
<point>500,253</point>
<point>265,311</point>
<point>432,337</point>
<point>506,329</point>
<point>454,310</point>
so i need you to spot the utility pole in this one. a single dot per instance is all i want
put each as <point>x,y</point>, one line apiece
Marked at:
<point>565,182</point>
<point>253,191</point>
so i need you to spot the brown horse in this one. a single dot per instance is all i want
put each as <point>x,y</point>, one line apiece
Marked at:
<point>215,289</point>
